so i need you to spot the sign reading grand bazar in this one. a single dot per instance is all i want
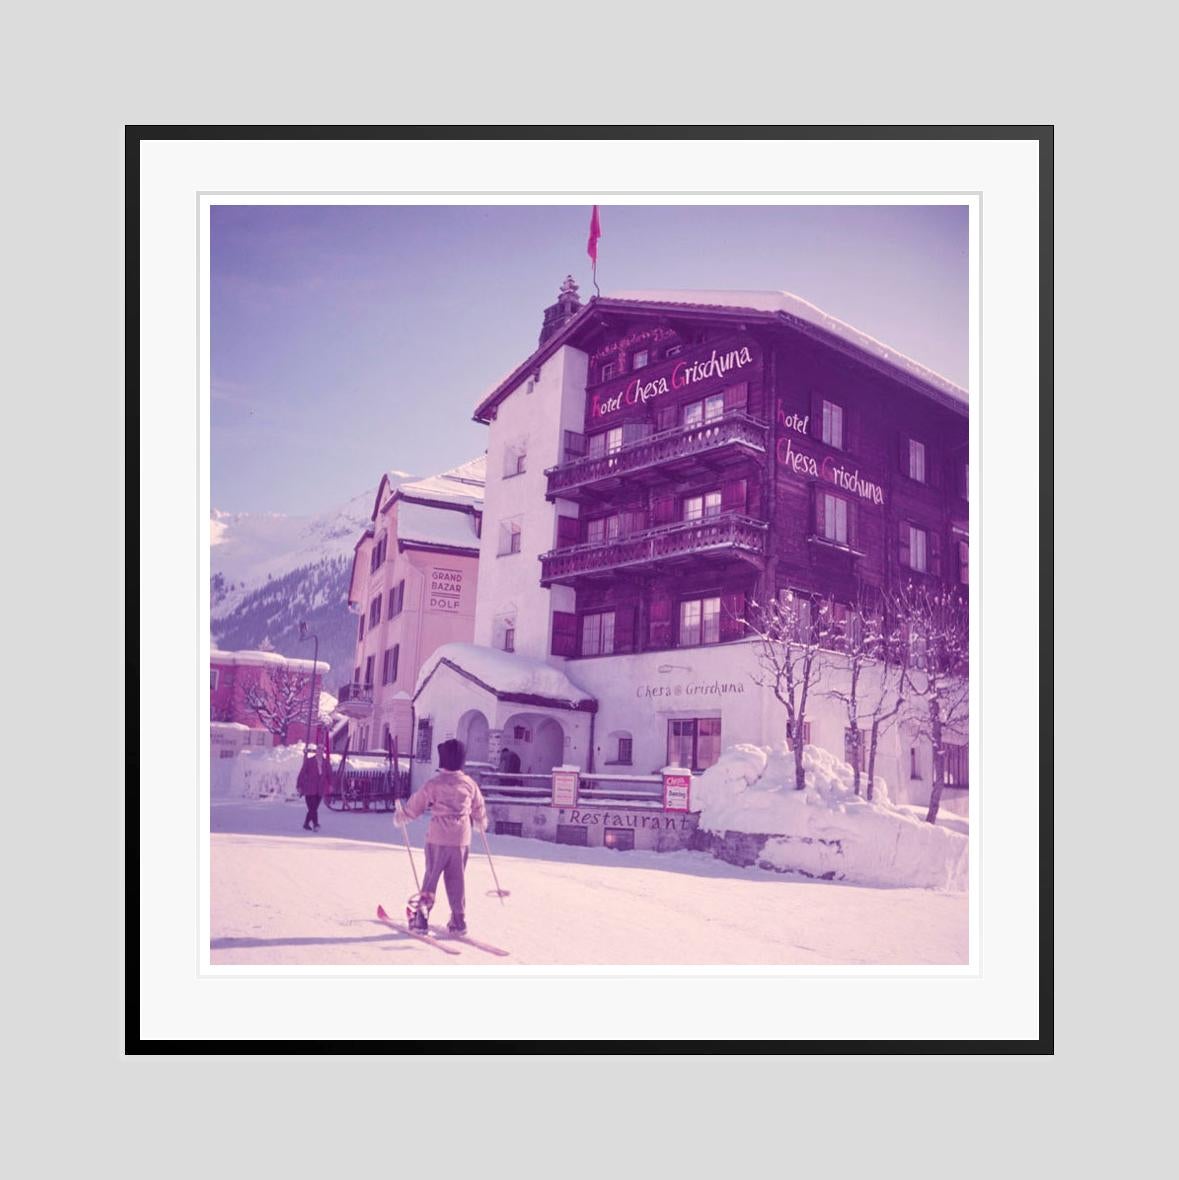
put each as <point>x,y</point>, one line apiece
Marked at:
<point>654,468</point>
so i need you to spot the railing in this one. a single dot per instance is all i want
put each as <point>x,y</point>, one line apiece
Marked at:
<point>360,693</point>
<point>679,443</point>
<point>633,790</point>
<point>729,530</point>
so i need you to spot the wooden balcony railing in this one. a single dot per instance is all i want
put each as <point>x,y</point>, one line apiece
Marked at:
<point>729,531</point>
<point>732,430</point>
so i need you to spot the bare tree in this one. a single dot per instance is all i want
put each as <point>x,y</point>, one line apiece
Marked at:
<point>869,646</point>
<point>793,633</point>
<point>279,700</point>
<point>936,621</point>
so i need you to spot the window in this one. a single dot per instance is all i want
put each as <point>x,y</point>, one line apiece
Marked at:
<point>521,462</point>
<point>597,634</point>
<point>916,460</point>
<point>639,359</point>
<point>673,350</point>
<point>374,612</point>
<point>510,635</point>
<point>708,410</point>
<point>504,827</point>
<point>509,537</point>
<point>515,459</point>
<point>957,765</point>
<point>360,634</point>
<point>917,549</point>
<point>854,748</point>
<point>607,371</point>
<point>389,667</point>
<point>833,518</point>
<point>693,742</point>
<point>226,753</point>
<point>964,563</point>
<point>356,674</point>
<point>918,649</point>
<point>625,751</point>
<point>914,768</point>
<point>702,506</point>
<point>797,616</point>
<point>521,733</point>
<point>396,599</point>
<point>620,839</point>
<point>605,528</point>
<point>833,424</point>
<point>368,671</point>
<point>606,442</point>
<point>214,676</point>
<point>806,734</point>
<point>699,621</point>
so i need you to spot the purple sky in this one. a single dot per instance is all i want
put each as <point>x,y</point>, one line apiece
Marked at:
<point>349,340</point>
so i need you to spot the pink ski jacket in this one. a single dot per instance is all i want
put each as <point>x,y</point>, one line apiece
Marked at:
<point>454,800</point>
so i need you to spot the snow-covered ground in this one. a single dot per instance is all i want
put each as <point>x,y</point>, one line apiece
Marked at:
<point>280,895</point>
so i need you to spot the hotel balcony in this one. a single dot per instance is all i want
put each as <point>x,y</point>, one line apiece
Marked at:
<point>719,539</point>
<point>356,700</point>
<point>685,451</point>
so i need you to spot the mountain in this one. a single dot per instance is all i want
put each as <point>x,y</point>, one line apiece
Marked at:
<point>269,571</point>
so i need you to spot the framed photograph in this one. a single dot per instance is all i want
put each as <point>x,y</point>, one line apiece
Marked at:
<point>607,570</point>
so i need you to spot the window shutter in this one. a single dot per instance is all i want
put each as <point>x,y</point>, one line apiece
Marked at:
<point>732,615</point>
<point>817,508</point>
<point>933,542</point>
<point>852,524</point>
<point>903,454</point>
<point>660,621</point>
<point>903,552</point>
<point>624,628</point>
<point>564,633</point>
<point>568,531</point>
<point>733,496</point>
<point>736,397</point>
<point>816,422</point>
<point>662,509</point>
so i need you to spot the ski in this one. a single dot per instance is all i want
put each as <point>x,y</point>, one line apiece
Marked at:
<point>403,929</point>
<point>447,936</point>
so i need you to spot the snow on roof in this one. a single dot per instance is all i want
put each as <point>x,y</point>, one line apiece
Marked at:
<point>430,525</point>
<point>460,485</point>
<point>263,659</point>
<point>505,672</point>
<point>793,305</point>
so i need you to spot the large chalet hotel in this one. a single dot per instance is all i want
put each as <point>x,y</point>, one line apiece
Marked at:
<point>661,461</point>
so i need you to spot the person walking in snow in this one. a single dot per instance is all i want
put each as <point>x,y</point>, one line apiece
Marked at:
<point>312,784</point>
<point>455,804</point>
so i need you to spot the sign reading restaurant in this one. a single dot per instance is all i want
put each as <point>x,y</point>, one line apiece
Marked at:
<point>680,374</point>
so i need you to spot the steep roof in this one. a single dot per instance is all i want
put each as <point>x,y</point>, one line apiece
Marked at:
<point>767,307</point>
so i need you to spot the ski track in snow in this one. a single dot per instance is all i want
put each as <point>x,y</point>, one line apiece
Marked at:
<point>284,896</point>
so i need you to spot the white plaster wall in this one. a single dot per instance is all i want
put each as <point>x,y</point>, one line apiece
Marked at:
<point>537,418</point>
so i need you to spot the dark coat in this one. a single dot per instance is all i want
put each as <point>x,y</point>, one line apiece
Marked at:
<point>314,777</point>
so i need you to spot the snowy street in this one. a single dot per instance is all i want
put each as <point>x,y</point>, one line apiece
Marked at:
<point>284,896</point>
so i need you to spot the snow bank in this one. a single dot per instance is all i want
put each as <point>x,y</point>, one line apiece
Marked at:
<point>436,526</point>
<point>826,830</point>
<point>505,672</point>
<point>266,774</point>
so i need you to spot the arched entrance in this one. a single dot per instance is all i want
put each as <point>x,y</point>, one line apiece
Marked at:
<point>472,732</point>
<point>538,741</point>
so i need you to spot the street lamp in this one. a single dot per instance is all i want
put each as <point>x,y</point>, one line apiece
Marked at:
<point>305,634</point>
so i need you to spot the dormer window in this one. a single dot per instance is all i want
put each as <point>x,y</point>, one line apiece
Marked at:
<point>640,358</point>
<point>607,371</point>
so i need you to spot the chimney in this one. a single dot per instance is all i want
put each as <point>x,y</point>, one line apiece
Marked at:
<point>567,306</point>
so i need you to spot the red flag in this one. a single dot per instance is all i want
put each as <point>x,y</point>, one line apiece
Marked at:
<point>595,233</point>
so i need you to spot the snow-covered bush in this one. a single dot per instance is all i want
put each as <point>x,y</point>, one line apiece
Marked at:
<point>267,774</point>
<point>825,830</point>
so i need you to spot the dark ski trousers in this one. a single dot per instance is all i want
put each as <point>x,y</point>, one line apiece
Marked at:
<point>448,862</point>
<point>312,802</point>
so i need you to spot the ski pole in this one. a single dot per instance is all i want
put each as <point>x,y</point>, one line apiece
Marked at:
<point>409,851</point>
<point>500,893</point>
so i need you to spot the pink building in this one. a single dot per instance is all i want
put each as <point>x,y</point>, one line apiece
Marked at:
<point>266,692</point>
<point>414,577</point>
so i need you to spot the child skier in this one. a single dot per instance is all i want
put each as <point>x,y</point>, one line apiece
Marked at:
<point>455,803</point>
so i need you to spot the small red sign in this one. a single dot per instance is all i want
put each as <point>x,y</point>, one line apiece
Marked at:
<point>677,792</point>
<point>565,788</point>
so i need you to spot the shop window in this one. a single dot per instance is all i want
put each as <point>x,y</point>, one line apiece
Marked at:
<point>621,839</point>
<point>597,634</point>
<point>693,742</point>
<point>833,425</point>
<point>699,621</point>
